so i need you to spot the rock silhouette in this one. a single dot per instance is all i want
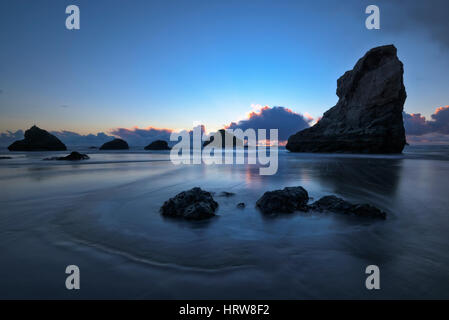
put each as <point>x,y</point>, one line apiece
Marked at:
<point>338,205</point>
<point>368,115</point>
<point>158,145</point>
<point>194,204</point>
<point>116,144</point>
<point>288,200</point>
<point>74,156</point>
<point>37,139</point>
<point>293,199</point>
<point>225,137</point>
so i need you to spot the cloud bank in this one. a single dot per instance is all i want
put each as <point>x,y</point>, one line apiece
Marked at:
<point>421,130</point>
<point>281,118</point>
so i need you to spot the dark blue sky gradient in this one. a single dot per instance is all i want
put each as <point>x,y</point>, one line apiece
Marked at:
<point>167,64</point>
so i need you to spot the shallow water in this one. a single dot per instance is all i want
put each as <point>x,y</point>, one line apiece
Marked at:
<point>103,215</point>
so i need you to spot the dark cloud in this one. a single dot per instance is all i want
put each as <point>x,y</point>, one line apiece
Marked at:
<point>440,121</point>
<point>283,119</point>
<point>414,16</point>
<point>415,124</point>
<point>141,137</point>
<point>70,138</point>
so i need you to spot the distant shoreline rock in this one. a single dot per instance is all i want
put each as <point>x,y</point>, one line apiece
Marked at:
<point>193,204</point>
<point>74,156</point>
<point>368,115</point>
<point>116,144</point>
<point>5,158</point>
<point>37,139</point>
<point>158,145</point>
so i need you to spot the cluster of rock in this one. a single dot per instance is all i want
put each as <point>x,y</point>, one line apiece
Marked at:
<point>368,115</point>
<point>293,199</point>
<point>197,204</point>
<point>37,139</point>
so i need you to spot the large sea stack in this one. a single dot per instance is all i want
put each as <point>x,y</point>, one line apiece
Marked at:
<point>368,115</point>
<point>37,139</point>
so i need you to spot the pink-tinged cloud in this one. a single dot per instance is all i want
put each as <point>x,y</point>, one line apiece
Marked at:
<point>141,136</point>
<point>281,118</point>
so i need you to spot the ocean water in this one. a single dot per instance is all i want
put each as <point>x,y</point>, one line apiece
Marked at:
<point>103,215</point>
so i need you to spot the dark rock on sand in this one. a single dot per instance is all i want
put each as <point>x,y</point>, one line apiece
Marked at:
<point>116,144</point>
<point>368,115</point>
<point>288,200</point>
<point>37,139</point>
<point>241,205</point>
<point>74,156</point>
<point>4,158</point>
<point>194,204</point>
<point>158,145</point>
<point>338,205</point>
<point>223,137</point>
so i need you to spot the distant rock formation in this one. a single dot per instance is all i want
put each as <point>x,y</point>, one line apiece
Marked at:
<point>224,137</point>
<point>74,156</point>
<point>158,145</point>
<point>116,144</point>
<point>194,204</point>
<point>368,115</point>
<point>37,139</point>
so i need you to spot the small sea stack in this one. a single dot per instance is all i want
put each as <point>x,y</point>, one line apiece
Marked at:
<point>37,139</point>
<point>116,144</point>
<point>158,145</point>
<point>223,139</point>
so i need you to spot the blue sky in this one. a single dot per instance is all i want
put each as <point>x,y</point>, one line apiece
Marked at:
<point>168,64</point>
